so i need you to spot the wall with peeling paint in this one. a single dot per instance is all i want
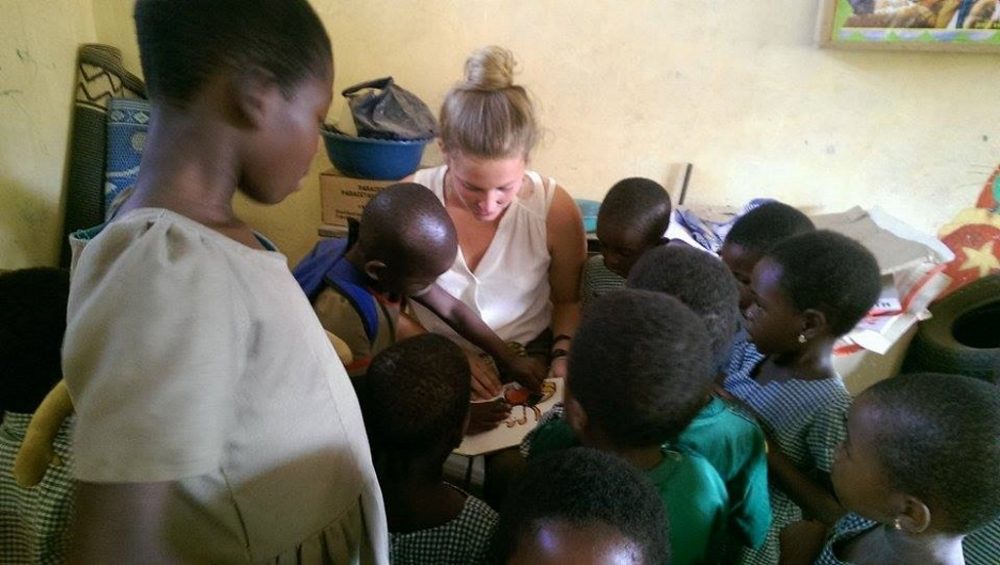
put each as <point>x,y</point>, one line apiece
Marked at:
<point>38,42</point>
<point>624,88</point>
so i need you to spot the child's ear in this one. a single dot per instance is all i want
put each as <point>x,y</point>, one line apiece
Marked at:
<point>915,516</point>
<point>374,269</point>
<point>815,323</point>
<point>252,92</point>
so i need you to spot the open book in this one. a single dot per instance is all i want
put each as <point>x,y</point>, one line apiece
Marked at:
<point>527,409</point>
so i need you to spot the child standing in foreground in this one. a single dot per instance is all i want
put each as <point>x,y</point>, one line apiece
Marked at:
<point>633,218</point>
<point>808,290</point>
<point>215,423</point>
<point>582,506</point>
<point>920,469</point>
<point>416,405</point>
<point>639,374</point>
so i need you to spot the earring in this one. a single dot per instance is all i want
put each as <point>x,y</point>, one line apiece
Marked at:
<point>802,338</point>
<point>896,524</point>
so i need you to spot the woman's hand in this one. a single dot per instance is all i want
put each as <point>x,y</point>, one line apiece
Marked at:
<point>557,370</point>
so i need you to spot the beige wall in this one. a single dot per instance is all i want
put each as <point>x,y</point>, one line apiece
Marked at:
<point>627,88</point>
<point>38,41</point>
<point>632,87</point>
<point>115,26</point>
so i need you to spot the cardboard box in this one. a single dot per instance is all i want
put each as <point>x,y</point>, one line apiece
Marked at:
<point>344,197</point>
<point>863,368</point>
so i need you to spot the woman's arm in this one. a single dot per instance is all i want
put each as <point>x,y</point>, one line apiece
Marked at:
<point>568,249</point>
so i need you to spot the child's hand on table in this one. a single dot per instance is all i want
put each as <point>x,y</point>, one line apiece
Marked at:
<point>485,379</point>
<point>484,416</point>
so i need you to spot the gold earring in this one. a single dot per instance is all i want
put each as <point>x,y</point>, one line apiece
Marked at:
<point>802,338</point>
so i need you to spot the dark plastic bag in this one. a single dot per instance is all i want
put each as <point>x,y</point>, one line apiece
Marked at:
<point>383,110</point>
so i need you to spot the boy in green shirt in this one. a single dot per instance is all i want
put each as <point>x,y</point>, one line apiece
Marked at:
<point>727,437</point>
<point>639,372</point>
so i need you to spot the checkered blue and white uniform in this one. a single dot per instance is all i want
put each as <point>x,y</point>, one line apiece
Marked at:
<point>466,539</point>
<point>34,522</point>
<point>806,418</point>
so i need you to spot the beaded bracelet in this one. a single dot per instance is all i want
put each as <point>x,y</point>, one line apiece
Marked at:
<point>557,353</point>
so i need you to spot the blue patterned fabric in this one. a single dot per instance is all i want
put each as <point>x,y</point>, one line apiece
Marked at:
<point>849,527</point>
<point>127,122</point>
<point>465,540</point>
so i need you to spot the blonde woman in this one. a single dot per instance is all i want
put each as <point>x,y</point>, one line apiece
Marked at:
<point>520,235</point>
<point>521,239</point>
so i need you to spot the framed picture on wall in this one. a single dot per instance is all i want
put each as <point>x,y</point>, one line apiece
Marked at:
<point>924,25</point>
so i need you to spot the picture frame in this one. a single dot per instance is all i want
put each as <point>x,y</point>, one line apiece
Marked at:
<point>916,25</point>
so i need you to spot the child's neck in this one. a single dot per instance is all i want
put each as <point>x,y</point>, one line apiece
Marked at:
<point>189,166</point>
<point>645,457</point>
<point>811,363</point>
<point>419,501</point>
<point>888,545</point>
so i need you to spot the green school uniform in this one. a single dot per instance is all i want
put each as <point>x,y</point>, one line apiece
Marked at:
<point>734,444</point>
<point>691,490</point>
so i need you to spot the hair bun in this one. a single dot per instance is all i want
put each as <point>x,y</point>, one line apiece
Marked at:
<point>489,68</point>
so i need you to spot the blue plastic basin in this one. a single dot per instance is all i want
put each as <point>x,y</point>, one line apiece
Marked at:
<point>375,159</point>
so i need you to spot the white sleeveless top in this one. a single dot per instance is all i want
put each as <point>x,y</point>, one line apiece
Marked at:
<point>510,287</point>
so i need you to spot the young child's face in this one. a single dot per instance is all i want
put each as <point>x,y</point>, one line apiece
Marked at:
<point>858,480</point>
<point>557,542</point>
<point>621,247</point>
<point>486,187</point>
<point>287,141</point>
<point>773,321</point>
<point>741,261</point>
<point>410,284</point>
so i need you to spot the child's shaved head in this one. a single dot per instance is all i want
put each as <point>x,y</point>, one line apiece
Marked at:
<point>406,228</point>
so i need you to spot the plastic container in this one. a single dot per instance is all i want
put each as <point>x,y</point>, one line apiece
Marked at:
<point>375,159</point>
<point>588,209</point>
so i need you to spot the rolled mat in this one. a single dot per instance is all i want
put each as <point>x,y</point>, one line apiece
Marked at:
<point>100,75</point>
